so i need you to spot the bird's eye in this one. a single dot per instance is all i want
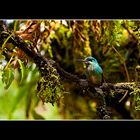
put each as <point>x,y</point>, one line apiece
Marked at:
<point>92,60</point>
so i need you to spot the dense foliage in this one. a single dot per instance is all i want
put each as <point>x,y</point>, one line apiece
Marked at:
<point>114,43</point>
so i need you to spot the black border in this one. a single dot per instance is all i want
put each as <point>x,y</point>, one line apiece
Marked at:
<point>71,10</point>
<point>89,14</point>
<point>68,128</point>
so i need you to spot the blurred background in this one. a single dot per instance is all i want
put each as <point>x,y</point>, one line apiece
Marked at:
<point>114,43</point>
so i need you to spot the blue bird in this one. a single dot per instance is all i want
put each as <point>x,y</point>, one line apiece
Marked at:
<point>94,72</point>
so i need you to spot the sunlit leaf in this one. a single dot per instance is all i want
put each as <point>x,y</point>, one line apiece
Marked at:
<point>15,25</point>
<point>22,70</point>
<point>3,45</point>
<point>21,93</point>
<point>2,56</point>
<point>69,34</point>
<point>7,77</point>
<point>137,107</point>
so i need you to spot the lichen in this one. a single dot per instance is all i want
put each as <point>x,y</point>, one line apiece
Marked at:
<point>49,86</point>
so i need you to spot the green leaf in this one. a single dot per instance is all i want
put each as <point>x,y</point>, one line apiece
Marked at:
<point>21,93</point>
<point>28,103</point>
<point>37,116</point>
<point>22,70</point>
<point>2,57</point>
<point>7,77</point>
<point>3,45</point>
<point>15,25</point>
<point>137,107</point>
<point>69,33</point>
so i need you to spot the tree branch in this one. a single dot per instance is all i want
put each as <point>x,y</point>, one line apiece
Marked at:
<point>43,63</point>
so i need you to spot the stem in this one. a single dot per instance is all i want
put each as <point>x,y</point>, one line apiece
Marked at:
<point>124,64</point>
<point>8,63</point>
<point>123,96</point>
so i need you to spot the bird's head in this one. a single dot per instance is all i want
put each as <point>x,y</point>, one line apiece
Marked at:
<point>90,61</point>
<point>92,64</point>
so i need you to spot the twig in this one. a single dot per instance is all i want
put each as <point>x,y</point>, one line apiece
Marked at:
<point>129,30</point>
<point>128,78</point>
<point>123,96</point>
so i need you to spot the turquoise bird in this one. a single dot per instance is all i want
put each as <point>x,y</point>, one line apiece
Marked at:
<point>94,72</point>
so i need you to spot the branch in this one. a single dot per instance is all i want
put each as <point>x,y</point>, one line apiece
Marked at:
<point>125,25</point>
<point>43,63</point>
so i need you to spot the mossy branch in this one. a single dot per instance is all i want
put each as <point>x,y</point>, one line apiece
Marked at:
<point>47,65</point>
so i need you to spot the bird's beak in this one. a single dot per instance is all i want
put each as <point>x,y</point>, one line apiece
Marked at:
<point>81,60</point>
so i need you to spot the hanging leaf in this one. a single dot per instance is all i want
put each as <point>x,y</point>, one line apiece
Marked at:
<point>37,116</point>
<point>3,45</point>
<point>15,25</point>
<point>22,70</point>
<point>21,93</point>
<point>7,77</point>
<point>28,103</point>
<point>2,57</point>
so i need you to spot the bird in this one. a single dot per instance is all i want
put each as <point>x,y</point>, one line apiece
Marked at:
<point>94,72</point>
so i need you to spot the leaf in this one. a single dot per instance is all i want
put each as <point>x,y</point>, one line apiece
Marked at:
<point>15,25</point>
<point>28,103</point>
<point>22,70</point>
<point>3,45</point>
<point>137,107</point>
<point>117,44</point>
<point>7,77</point>
<point>21,93</point>
<point>2,56</point>
<point>37,116</point>
<point>69,33</point>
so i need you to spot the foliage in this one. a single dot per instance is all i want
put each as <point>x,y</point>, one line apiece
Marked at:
<point>49,86</point>
<point>112,42</point>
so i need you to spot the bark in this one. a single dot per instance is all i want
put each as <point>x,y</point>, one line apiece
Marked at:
<point>101,92</point>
